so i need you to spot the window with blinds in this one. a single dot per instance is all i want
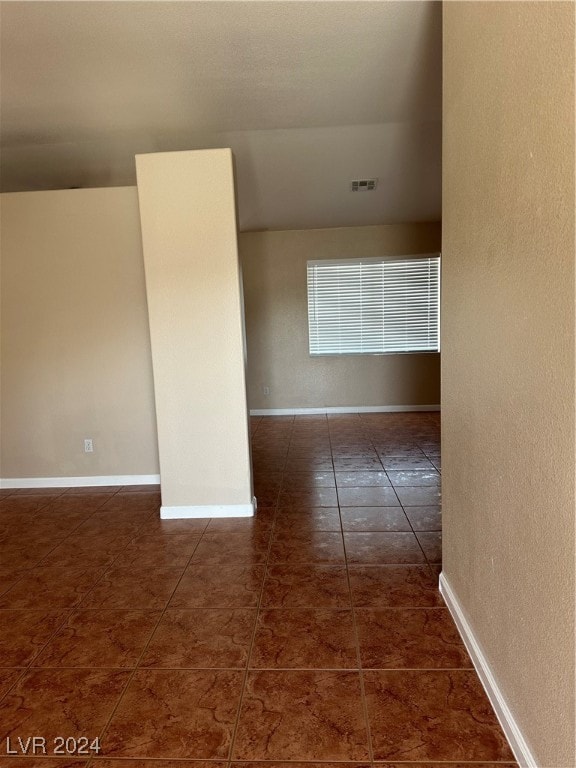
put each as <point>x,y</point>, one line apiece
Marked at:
<point>374,306</point>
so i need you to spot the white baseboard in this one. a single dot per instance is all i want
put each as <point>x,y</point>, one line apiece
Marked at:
<point>517,742</point>
<point>209,510</point>
<point>342,409</point>
<point>78,482</point>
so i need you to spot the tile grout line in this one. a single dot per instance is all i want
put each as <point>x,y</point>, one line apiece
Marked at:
<point>66,612</point>
<point>157,668</point>
<point>356,637</point>
<point>78,607</point>
<point>231,757</point>
<point>136,667</point>
<point>409,521</point>
<point>71,533</point>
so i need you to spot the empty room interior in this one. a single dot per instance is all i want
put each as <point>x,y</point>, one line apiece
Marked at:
<point>287,384</point>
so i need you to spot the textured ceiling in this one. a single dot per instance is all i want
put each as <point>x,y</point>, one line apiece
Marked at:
<point>308,94</point>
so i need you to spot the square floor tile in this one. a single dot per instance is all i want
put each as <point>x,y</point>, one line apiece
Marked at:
<point>277,764</point>
<point>358,479</point>
<point>306,520</point>
<point>315,547</point>
<point>8,525</point>
<point>225,549</point>
<point>302,716</point>
<point>202,638</point>
<point>145,488</point>
<point>266,498</point>
<point>419,496</point>
<point>53,492</point>
<point>407,463</point>
<point>54,588</point>
<point>23,505</point>
<point>204,586</point>
<point>9,577</point>
<point>267,483</point>
<point>397,586</point>
<point>304,638</point>
<point>135,500</point>
<point>154,550</point>
<point>414,478</point>
<point>123,763</point>
<point>113,638</point>
<point>104,489</point>
<point>431,543</point>
<point>269,463</point>
<point>43,762</point>
<point>24,633</point>
<point>7,678</point>
<point>175,714</point>
<point>359,463</point>
<point>409,638</point>
<point>295,481</point>
<point>16,557</point>
<point>310,497</point>
<point>367,496</point>
<point>309,447</point>
<point>380,548</point>
<point>439,715</point>
<point>145,589</point>
<point>294,764</point>
<point>153,525</point>
<point>247,525</point>
<point>94,527</point>
<point>425,518</point>
<point>85,502</point>
<point>128,515</point>
<point>308,586</point>
<point>374,519</point>
<point>445,765</point>
<point>92,551</point>
<point>305,464</point>
<point>11,537</point>
<point>60,702</point>
<point>401,450</point>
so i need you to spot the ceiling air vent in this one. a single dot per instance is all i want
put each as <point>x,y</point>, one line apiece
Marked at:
<point>363,185</point>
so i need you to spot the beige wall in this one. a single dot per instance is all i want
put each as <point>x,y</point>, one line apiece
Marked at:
<point>188,219</point>
<point>508,352</point>
<point>75,343</point>
<point>274,266</point>
<point>76,358</point>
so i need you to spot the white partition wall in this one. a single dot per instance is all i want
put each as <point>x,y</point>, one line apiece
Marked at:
<point>193,286</point>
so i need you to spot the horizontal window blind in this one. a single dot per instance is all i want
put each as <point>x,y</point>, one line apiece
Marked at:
<point>374,306</point>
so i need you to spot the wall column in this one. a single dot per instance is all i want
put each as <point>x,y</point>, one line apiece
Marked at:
<point>195,306</point>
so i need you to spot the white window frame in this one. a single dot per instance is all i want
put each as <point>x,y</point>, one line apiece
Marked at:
<point>361,306</point>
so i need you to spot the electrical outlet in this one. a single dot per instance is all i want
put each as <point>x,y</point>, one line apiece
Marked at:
<point>88,445</point>
<point>266,390</point>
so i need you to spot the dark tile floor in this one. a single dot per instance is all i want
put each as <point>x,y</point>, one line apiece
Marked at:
<point>313,633</point>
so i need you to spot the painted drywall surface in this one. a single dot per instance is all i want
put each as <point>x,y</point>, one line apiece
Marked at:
<point>76,358</point>
<point>274,267</point>
<point>188,220</point>
<point>508,351</point>
<point>75,345</point>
